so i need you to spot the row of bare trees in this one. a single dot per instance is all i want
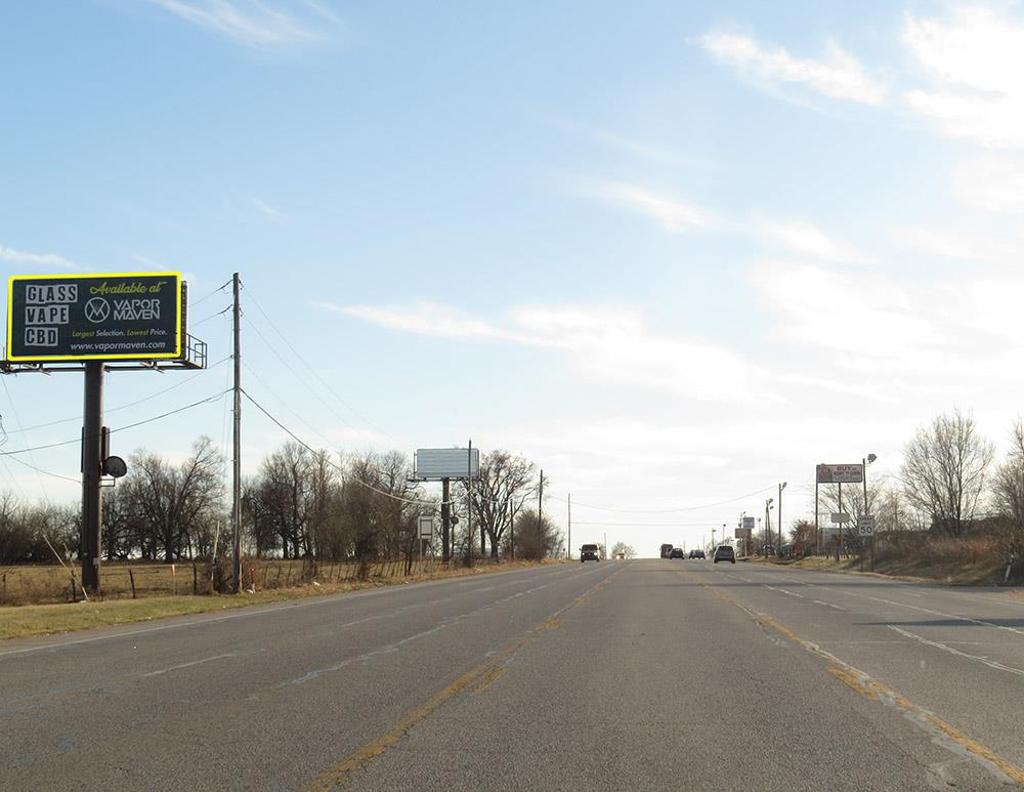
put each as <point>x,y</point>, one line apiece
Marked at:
<point>301,503</point>
<point>950,483</point>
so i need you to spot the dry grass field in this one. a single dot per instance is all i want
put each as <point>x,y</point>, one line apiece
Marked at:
<point>161,592</point>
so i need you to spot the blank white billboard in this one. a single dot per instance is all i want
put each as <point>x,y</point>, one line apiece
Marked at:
<point>434,464</point>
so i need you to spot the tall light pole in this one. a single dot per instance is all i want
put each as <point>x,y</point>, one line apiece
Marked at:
<point>782,486</point>
<point>864,477</point>
<point>768,519</point>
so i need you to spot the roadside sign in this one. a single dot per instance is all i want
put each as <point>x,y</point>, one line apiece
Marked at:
<point>117,316</point>
<point>839,474</point>
<point>743,533</point>
<point>840,517</point>
<point>426,527</point>
<point>866,525</point>
<point>748,524</point>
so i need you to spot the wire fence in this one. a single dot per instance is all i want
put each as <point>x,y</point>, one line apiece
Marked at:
<point>45,584</point>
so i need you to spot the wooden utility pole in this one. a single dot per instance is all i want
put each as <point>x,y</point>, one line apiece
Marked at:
<point>540,501</point>
<point>569,548</point>
<point>236,462</point>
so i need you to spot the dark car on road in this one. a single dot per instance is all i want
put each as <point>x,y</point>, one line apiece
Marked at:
<point>590,552</point>
<point>677,552</point>
<point>697,554</point>
<point>725,553</point>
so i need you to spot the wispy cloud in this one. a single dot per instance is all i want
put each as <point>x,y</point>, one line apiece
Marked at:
<point>605,344</point>
<point>995,184</point>
<point>257,23</point>
<point>674,215</point>
<point>36,259</point>
<point>839,75</point>
<point>808,240</point>
<point>266,209</point>
<point>973,59</point>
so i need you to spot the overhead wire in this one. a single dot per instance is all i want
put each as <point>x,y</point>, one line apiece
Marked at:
<point>142,400</point>
<point>668,511</point>
<point>347,474</point>
<point>312,369</point>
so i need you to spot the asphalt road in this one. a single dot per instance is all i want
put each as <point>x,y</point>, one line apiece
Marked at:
<point>637,675</point>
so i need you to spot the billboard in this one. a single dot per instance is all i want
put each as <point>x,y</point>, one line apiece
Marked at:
<point>435,464</point>
<point>743,533</point>
<point>748,524</point>
<point>840,474</point>
<point>114,316</point>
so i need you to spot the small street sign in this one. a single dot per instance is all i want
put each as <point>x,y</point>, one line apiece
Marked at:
<point>840,517</point>
<point>866,525</point>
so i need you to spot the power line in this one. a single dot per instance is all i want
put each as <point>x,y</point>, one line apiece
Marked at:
<point>208,295</point>
<point>45,472</point>
<point>129,404</point>
<point>345,473</point>
<point>313,370</point>
<point>677,509</point>
<point>118,429</point>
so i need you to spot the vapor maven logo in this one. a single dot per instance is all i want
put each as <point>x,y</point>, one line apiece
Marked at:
<point>97,310</point>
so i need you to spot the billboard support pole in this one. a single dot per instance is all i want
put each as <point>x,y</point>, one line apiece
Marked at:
<point>236,462</point>
<point>446,511</point>
<point>92,463</point>
<point>469,502</point>
<point>817,546</point>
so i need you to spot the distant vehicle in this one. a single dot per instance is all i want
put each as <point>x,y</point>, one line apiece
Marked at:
<point>677,552</point>
<point>697,554</point>
<point>590,552</point>
<point>666,550</point>
<point>725,553</point>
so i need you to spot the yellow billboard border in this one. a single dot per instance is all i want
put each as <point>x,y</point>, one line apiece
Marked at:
<point>78,277</point>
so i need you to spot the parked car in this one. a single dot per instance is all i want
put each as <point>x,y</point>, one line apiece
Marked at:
<point>666,550</point>
<point>677,552</point>
<point>590,552</point>
<point>725,553</point>
<point>697,554</point>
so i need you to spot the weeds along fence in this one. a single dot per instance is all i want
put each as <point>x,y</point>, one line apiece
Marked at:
<point>45,584</point>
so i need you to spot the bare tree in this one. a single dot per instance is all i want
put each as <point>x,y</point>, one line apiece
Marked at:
<point>944,469</point>
<point>1008,489</point>
<point>498,493</point>
<point>624,550</point>
<point>172,504</point>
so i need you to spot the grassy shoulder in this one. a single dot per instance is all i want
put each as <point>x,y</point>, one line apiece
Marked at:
<point>950,572</point>
<point>28,620</point>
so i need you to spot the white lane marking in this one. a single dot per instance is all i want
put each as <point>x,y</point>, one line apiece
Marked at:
<point>442,625</point>
<point>188,665</point>
<point>245,613</point>
<point>784,591</point>
<point>979,622</point>
<point>955,617</point>
<point>946,648</point>
<point>829,605</point>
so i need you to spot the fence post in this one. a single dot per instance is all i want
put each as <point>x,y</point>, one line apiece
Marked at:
<point>131,579</point>
<point>195,578</point>
<point>3,589</point>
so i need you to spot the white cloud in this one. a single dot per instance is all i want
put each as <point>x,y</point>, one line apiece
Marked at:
<point>861,314</point>
<point>36,259</point>
<point>839,75</point>
<point>256,23</point>
<point>266,209</point>
<point>611,345</point>
<point>808,240</point>
<point>424,318</point>
<point>973,58</point>
<point>674,215</point>
<point>994,184</point>
<point>956,245</point>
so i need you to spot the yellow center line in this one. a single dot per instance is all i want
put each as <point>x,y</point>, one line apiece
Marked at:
<point>476,680</point>
<point>865,685</point>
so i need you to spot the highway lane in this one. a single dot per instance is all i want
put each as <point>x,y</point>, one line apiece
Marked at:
<point>620,675</point>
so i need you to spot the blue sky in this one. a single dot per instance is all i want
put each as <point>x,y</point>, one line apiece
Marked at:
<point>675,253</point>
